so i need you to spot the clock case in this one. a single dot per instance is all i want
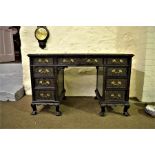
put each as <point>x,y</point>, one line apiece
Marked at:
<point>42,43</point>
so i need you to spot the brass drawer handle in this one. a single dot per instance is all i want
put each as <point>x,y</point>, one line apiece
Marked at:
<point>121,60</point>
<point>116,96</point>
<point>88,60</point>
<point>67,61</point>
<point>64,60</point>
<point>72,60</point>
<point>117,72</point>
<point>116,83</point>
<point>43,71</point>
<point>44,82</point>
<point>96,60</point>
<point>115,61</point>
<point>45,95</point>
<point>43,60</point>
<point>91,60</point>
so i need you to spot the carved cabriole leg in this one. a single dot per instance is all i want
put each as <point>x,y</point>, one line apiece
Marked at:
<point>102,113</point>
<point>125,110</point>
<point>95,97</point>
<point>64,98</point>
<point>34,108</point>
<point>58,112</point>
<point>96,81</point>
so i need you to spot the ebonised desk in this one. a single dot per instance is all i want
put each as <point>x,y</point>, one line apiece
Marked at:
<point>112,78</point>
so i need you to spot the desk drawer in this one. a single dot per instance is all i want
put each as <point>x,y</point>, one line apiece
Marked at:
<point>43,71</point>
<point>45,82</point>
<point>42,61</point>
<point>116,83</point>
<point>44,95</point>
<point>80,61</point>
<point>116,71</point>
<point>115,95</point>
<point>117,61</point>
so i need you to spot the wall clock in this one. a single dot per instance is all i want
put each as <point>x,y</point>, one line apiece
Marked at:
<point>42,34</point>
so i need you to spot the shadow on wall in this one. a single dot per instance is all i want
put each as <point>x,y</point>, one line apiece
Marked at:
<point>137,82</point>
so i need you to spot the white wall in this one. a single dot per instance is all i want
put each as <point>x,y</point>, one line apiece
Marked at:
<point>70,40</point>
<point>91,39</point>
<point>133,39</point>
<point>149,80</point>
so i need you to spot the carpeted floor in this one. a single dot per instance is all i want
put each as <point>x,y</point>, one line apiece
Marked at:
<point>78,113</point>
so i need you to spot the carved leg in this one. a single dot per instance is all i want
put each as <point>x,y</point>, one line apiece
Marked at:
<point>34,108</point>
<point>125,111</point>
<point>95,97</point>
<point>102,113</point>
<point>64,98</point>
<point>58,112</point>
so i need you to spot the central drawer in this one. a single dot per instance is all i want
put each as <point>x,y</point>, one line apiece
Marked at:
<point>80,61</point>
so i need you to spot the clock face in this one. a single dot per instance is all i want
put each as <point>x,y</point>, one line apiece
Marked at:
<point>41,33</point>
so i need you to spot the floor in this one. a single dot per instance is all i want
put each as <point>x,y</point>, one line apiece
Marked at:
<point>78,113</point>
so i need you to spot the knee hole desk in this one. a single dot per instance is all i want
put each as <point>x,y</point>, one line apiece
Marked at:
<point>112,78</point>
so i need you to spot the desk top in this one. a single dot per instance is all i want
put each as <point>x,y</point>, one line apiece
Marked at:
<point>83,54</point>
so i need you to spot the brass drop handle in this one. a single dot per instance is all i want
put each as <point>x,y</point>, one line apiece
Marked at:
<point>46,60</point>
<point>47,82</point>
<point>88,60</point>
<point>64,60</point>
<point>46,95</point>
<point>39,60</point>
<point>116,83</point>
<point>112,95</point>
<point>96,60</point>
<point>41,82</point>
<point>117,71</point>
<point>116,96</point>
<point>43,60</point>
<point>44,82</point>
<point>72,60</point>
<point>115,60</point>
<point>121,60</point>
<point>43,70</point>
